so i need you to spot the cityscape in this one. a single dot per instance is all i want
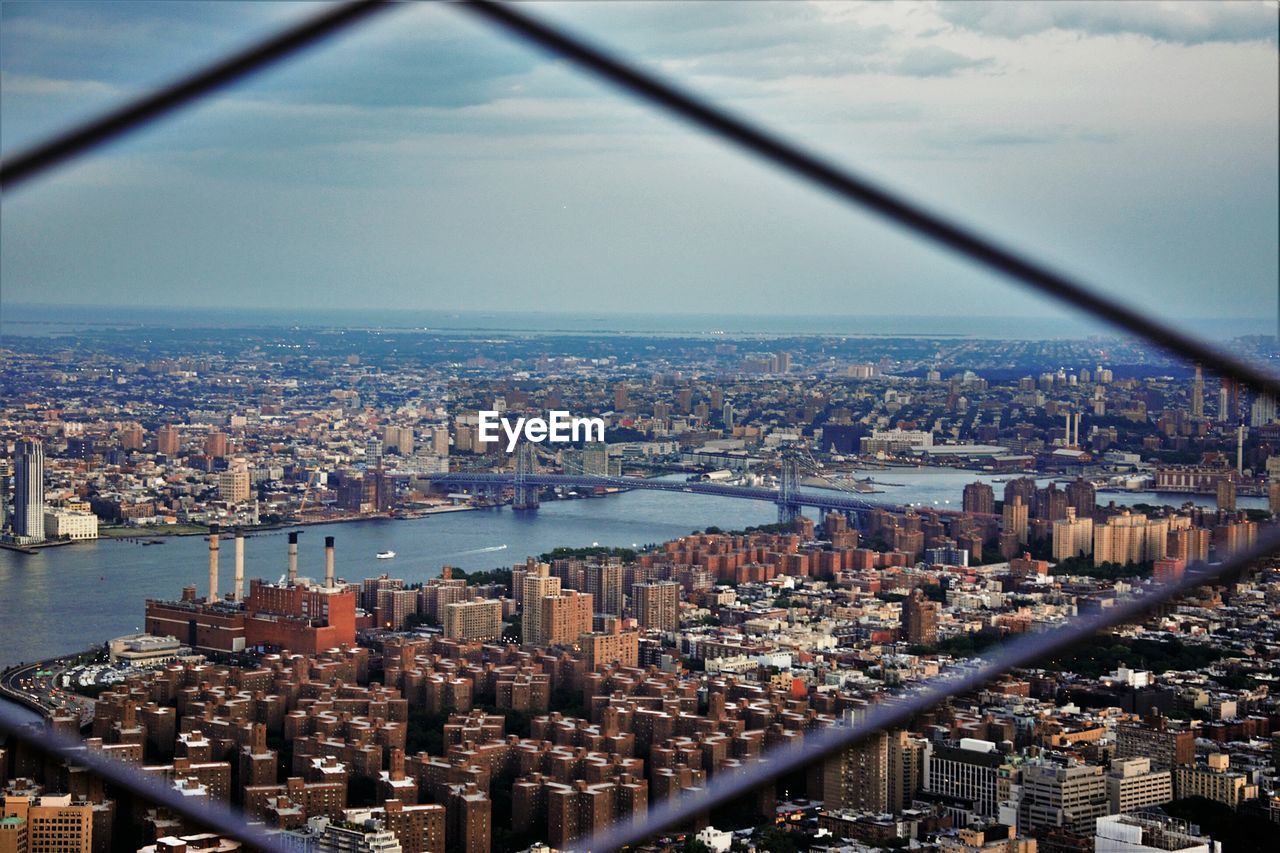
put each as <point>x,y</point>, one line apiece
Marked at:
<point>770,427</point>
<point>534,699</point>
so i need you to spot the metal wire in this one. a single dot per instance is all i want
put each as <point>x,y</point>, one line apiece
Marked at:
<point>793,160</point>
<point>843,183</point>
<point>80,140</point>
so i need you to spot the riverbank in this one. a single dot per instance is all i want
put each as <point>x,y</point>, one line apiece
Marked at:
<point>175,530</point>
<point>37,547</point>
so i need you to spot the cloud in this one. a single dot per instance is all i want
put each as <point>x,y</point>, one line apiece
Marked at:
<point>936,61</point>
<point>1176,22</point>
<point>20,84</point>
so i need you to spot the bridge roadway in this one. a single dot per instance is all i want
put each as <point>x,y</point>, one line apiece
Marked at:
<point>833,501</point>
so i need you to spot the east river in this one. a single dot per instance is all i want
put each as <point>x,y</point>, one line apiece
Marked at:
<point>68,598</point>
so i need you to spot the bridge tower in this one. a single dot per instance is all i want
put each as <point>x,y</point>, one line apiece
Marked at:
<point>789,489</point>
<point>526,495</point>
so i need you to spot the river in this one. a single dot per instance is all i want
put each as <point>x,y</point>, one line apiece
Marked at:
<point>68,598</point>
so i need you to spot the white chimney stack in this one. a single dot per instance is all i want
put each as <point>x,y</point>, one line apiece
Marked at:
<point>293,558</point>
<point>213,563</point>
<point>237,592</point>
<point>328,562</point>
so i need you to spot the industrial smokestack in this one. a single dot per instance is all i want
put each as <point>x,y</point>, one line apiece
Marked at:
<point>328,562</point>
<point>1240,450</point>
<point>213,562</point>
<point>293,558</point>
<point>1066,439</point>
<point>1077,443</point>
<point>237,592</point>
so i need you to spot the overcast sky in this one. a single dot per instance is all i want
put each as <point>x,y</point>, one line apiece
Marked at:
<point>426,161</point>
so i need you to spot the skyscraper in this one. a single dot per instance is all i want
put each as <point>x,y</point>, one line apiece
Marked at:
<point>1015,519</point>
<point>1072,536</point>
<point>657,605</point>
<point>168,440</point>
<point>535,586</point>
<point>215,444</point>
<point>604,582</point>
<point>920,619</point>
<point>28,491</point>
<point>1197,394</point>
<point>1226,494</point>
<point>1083,497</point>
<point>6,472</point>
<point>858,777</point>
<point>979,497</point>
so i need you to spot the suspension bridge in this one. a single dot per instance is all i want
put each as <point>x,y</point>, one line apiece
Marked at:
<point>526,480</point>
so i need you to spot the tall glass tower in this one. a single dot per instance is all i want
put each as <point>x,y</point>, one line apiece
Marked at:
<point>28,491</point>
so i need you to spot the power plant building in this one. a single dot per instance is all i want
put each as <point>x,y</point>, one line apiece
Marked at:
<point>296,614</point>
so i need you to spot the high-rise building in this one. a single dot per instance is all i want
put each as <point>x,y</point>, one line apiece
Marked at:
<point>1132,784</point>
<point>604,582</point>
<point>1051,503</point>
<point>473,620</point>
<point>233,485</point>
<point>595,459</point>
<point>566,616</point>
<point>906,769</point>
<point>610,646</point>
<point>858,777</point>
<point>1062,795</point>
<point>1164,746</point>
<point>1226,492</point>
<point>968,772</point>
<point>657,605</point>
<point>1228,401</point>
<point>6,474</point>
<point>1072,536</point>
<point>1015,519</point>
<point>1082,496</point>
<point>28,491</point>
<point>1130,538</point>
<point>1213,779</point>
<point>469,813</point>
<point>537,584</point>
<point>168,440</point>
<point>1263,410</point>
<point>920,619</point>
<point>47,825</point>
<point>399,439</point>
<point>979,497</point>
<point>1197,394</point>
<point>1189,544</point>
<point>1024,487</point>
<point>440,440</point>
<point>394,607</point>
<point>132,437</point>
<point>215,444</point>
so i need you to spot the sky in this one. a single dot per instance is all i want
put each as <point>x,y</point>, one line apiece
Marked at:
<point>426,161</point>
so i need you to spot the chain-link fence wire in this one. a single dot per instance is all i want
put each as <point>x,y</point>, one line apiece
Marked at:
<point>794,160</point>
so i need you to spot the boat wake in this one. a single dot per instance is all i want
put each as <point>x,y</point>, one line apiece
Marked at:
<point>478,550</point>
